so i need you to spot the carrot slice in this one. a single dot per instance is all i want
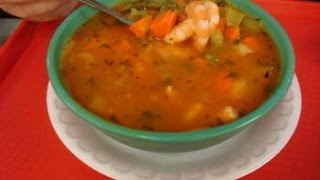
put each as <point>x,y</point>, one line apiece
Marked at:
<point>163,23</point>
<point>141,27</point>
<point>252,42</point>
<point>232,32</point>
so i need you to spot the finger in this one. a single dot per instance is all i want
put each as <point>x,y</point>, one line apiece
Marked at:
<point>32,10</point>
<point>27,1</point>
<point>56,13</point>
<point>15,1</point>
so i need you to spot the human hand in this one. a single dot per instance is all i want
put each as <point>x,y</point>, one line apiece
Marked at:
<point>38,10</point>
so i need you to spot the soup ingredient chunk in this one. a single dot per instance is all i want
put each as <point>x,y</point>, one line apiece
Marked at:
<point>228,114</point>
<point>163,23</point>
<point>141,27</point>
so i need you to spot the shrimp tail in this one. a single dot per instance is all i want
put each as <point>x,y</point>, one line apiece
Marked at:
<point>180,32</point>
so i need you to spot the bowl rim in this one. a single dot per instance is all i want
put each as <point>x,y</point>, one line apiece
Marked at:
<point>286,51</point>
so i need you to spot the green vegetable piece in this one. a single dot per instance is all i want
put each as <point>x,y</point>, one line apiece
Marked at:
<point>252,25</point>
<point>212,59</point>
<point>135,14</point>
<point>217,38</point>
<point>233,17</point>
<point>156,3</point>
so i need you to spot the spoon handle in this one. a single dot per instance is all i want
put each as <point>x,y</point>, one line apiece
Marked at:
<point>95,4</point>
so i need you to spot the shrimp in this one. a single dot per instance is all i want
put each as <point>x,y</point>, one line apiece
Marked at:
<point>180,32</point>
<point>202,19</point>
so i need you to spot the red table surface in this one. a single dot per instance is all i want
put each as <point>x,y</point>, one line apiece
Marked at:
<point>30,149</point>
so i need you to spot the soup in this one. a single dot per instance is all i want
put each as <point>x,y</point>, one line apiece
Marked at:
<point>145,81</point>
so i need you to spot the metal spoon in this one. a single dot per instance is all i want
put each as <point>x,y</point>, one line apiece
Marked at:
<point>95,4</point>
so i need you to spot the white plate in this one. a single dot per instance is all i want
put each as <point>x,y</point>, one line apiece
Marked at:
<point>231,159</point>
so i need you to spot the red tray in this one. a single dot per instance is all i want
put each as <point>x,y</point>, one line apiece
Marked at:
<point>30,149</point>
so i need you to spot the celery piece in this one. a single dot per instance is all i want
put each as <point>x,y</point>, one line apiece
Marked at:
<point>135,14</point>
<point>216,38</point>
<point>252,25</point>
<point>161,4</point>
<point>125,5</point>
<point>233,17</point>
<point>212,59</point>
<point>155,3</point>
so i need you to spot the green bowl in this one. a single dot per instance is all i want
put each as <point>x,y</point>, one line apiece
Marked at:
<point>163,141</point>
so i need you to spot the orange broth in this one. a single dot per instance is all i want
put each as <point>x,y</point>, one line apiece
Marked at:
<point>151,85</point>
